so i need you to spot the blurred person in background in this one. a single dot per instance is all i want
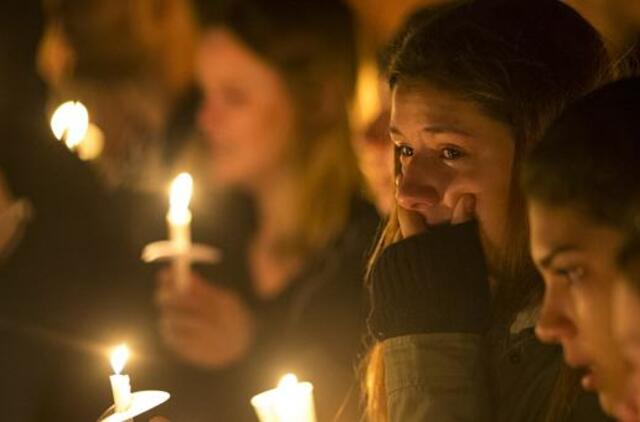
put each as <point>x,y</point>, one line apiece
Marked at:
<point>131,64</point>
<point>276,78</point>
<point>61,274</point>
<point>618,23</point>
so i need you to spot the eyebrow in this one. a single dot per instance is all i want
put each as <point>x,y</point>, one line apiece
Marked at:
<point>546,260</point>
<point>434,130</point>
<point>445,129</point>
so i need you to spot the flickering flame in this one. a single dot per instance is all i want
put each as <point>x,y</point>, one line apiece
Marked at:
<point>70,123</point>
<point>287,381</point>
<point>180,197</point>
<point>119,357</point>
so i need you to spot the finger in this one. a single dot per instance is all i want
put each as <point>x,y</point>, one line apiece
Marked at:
<point>167,292</point>
<point>163,277</point>
<point>159,419</point>
<point>178,331</point>
<point>411,223</point>
<point>464,209</point>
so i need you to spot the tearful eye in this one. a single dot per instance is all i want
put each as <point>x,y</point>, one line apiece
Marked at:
<point>575,273</point>
<point>572,274</point>
<point>405,151</point>
<point>452,154</point>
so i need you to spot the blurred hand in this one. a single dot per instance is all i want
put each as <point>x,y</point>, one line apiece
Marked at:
<point>205,325</point>
<point>159,419</point>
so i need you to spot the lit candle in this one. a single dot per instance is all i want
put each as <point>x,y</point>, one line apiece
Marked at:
<point>291,401</point>
<point>120,384</point>
<point>179,222</point>
<point>70,123</point>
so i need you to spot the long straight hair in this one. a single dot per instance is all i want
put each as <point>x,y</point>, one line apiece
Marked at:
<point>520,63</point>
<point>317,65</point>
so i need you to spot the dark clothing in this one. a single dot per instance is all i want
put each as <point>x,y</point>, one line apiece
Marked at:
<point>66,290</point>
<point>440,364</point>
<point>313,328</point>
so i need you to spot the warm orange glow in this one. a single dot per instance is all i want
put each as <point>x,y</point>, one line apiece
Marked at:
<point>92,145</point>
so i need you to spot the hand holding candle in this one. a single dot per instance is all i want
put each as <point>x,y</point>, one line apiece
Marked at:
<point>128,405</point>
<point>291,401</point>
<point>120,385</point>
<point>179,222</point>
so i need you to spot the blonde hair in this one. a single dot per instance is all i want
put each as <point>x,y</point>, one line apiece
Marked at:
<point>318,68</point>
<point>372,366</point>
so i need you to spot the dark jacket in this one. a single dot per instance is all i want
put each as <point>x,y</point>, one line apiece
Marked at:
<point>313,328</point>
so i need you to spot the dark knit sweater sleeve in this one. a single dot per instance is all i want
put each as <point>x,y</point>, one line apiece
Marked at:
<point>435,282</point>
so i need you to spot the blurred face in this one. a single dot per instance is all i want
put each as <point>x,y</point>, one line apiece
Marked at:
<point>629,10</point>
<point>246,114</point>
<point>375,158</point>
<point>576,258</point>
<point>449,148</point>
<point>626,323</point>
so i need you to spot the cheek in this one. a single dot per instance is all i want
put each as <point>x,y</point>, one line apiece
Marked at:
<point>491,190</point>
<point>593,311</point>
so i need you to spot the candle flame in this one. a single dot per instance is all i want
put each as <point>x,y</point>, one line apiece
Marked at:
<point>180,193</point>
<point>119,357</point>
<point>70,123</point>
<point>288,381</point>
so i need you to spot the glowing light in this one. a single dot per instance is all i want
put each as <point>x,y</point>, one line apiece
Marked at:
<point>92,145</point>
<point>179,198</point>
<point>290,401</point>
<point>70,123</point>
<point>119,357</point>
<point>288,381</point>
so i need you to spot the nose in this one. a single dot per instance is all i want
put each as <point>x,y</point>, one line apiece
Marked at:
<point>555,323</point>
<point>421,184</point>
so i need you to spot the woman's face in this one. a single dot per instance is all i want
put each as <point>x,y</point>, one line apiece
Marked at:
<point>449,148</point>
<point>246,114</point>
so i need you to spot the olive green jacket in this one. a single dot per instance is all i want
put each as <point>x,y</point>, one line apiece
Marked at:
<point>460,377</point>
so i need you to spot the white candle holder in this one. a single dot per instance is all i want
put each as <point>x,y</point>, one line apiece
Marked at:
<point>166,250</point>
<point>141,402</point>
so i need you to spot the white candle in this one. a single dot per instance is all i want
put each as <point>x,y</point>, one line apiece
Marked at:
<point>291,401</point>
<point>179,222</point>
<point>120,384</point>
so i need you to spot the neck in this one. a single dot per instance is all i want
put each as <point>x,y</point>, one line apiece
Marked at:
<point>273,198</point>
<point>271,265</point>
<point>617,32</point>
